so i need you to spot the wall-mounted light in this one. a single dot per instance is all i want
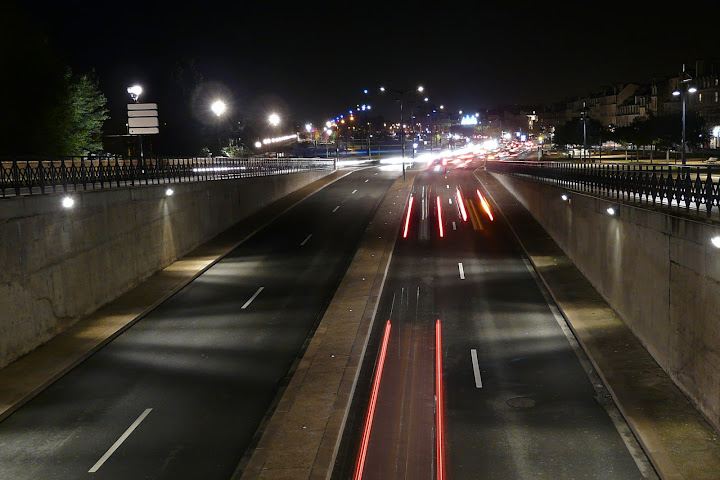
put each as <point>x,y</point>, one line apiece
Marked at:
<point>68,202</point>
<point>611,211</point>
<point>716,241</point>
<point>169,192</point>
<point>564,197</point>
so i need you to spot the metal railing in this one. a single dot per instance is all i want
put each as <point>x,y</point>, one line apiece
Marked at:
<point>675,187</point>
<point>38,176</point>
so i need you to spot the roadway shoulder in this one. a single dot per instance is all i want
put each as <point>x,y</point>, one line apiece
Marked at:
<point>678,440</point>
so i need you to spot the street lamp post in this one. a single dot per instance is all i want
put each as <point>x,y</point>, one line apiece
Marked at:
<point>584,119</point>
<point>135,91</point>
<point>218,107</point>
<point>682,90</point>
<point>402,94</point>
<point>274,120</point>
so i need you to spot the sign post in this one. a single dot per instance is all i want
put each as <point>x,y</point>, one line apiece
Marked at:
<point>142,120</point>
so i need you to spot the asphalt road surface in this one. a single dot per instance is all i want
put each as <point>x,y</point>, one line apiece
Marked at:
<point>182,393</point>
<point>517,401</point>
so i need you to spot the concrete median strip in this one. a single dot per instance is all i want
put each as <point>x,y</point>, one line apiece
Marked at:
<point>303,435</point>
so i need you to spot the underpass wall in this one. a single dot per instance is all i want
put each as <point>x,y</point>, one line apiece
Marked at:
<point>58,265</point>
<point>659,272</point>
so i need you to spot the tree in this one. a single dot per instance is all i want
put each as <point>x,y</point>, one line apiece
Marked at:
<point>664,131</point>
<point>571,132</point>
<point>85,113</point>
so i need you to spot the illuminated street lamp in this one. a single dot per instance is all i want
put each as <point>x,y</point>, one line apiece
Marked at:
<point>274,119</point>
<point>402,94</point>
<point>219,108</point>
<point>682,90</point>
<point>135,91</point>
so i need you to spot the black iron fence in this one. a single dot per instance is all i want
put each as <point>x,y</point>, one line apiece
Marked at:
<point>672,186</point>
<point>36,176</point>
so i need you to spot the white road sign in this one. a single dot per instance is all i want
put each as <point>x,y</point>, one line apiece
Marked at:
<point>143,119</point>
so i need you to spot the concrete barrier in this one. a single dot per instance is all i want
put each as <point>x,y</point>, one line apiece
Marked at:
<point>659,272</point>
<point>58,265</point>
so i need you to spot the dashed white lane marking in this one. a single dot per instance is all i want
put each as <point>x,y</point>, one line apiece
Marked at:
<point>336,208</point>
<point>462,271</point>
<point>353,192</point>
<point>454,226</point>
<point>476,368</point>
<point>120,441</point>
<point>247,304</point>
<point>306,240</point>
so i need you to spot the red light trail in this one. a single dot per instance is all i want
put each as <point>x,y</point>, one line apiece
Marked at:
<point>407,220</point>
<point>440,222</point>
<point>371,407</point>
<point>439,424</point>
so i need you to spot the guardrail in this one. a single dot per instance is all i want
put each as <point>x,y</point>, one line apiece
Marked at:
<point>38,176</point>
<point>678,187</point>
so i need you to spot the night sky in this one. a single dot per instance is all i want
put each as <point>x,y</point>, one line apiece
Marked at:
<point>311,60</point>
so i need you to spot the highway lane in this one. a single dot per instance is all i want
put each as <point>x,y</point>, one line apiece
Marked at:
<point>182,393</point>
<point>518,403</point>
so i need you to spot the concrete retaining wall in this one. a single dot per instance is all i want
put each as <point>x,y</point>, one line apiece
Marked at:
<point>57,265</point>
<point>660,273</point>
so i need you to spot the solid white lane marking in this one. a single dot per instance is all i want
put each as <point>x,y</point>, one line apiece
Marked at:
<point>462,272</point>
<point>252,298</point>
<point>476,368</point>
<point>120,441</point>
<point>454,226</point>
<point>353,192</point>
<point>306,239</point>
<point>335,209</point>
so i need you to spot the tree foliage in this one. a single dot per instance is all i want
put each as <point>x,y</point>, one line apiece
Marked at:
<point>85,113</point>
<point>663,131</point>
<point>571,132</point>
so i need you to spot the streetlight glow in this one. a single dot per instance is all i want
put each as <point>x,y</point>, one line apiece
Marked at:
<point>68,202</point>
<point>218,107</point>
<point>274,119</point>
<point>135,91</point>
